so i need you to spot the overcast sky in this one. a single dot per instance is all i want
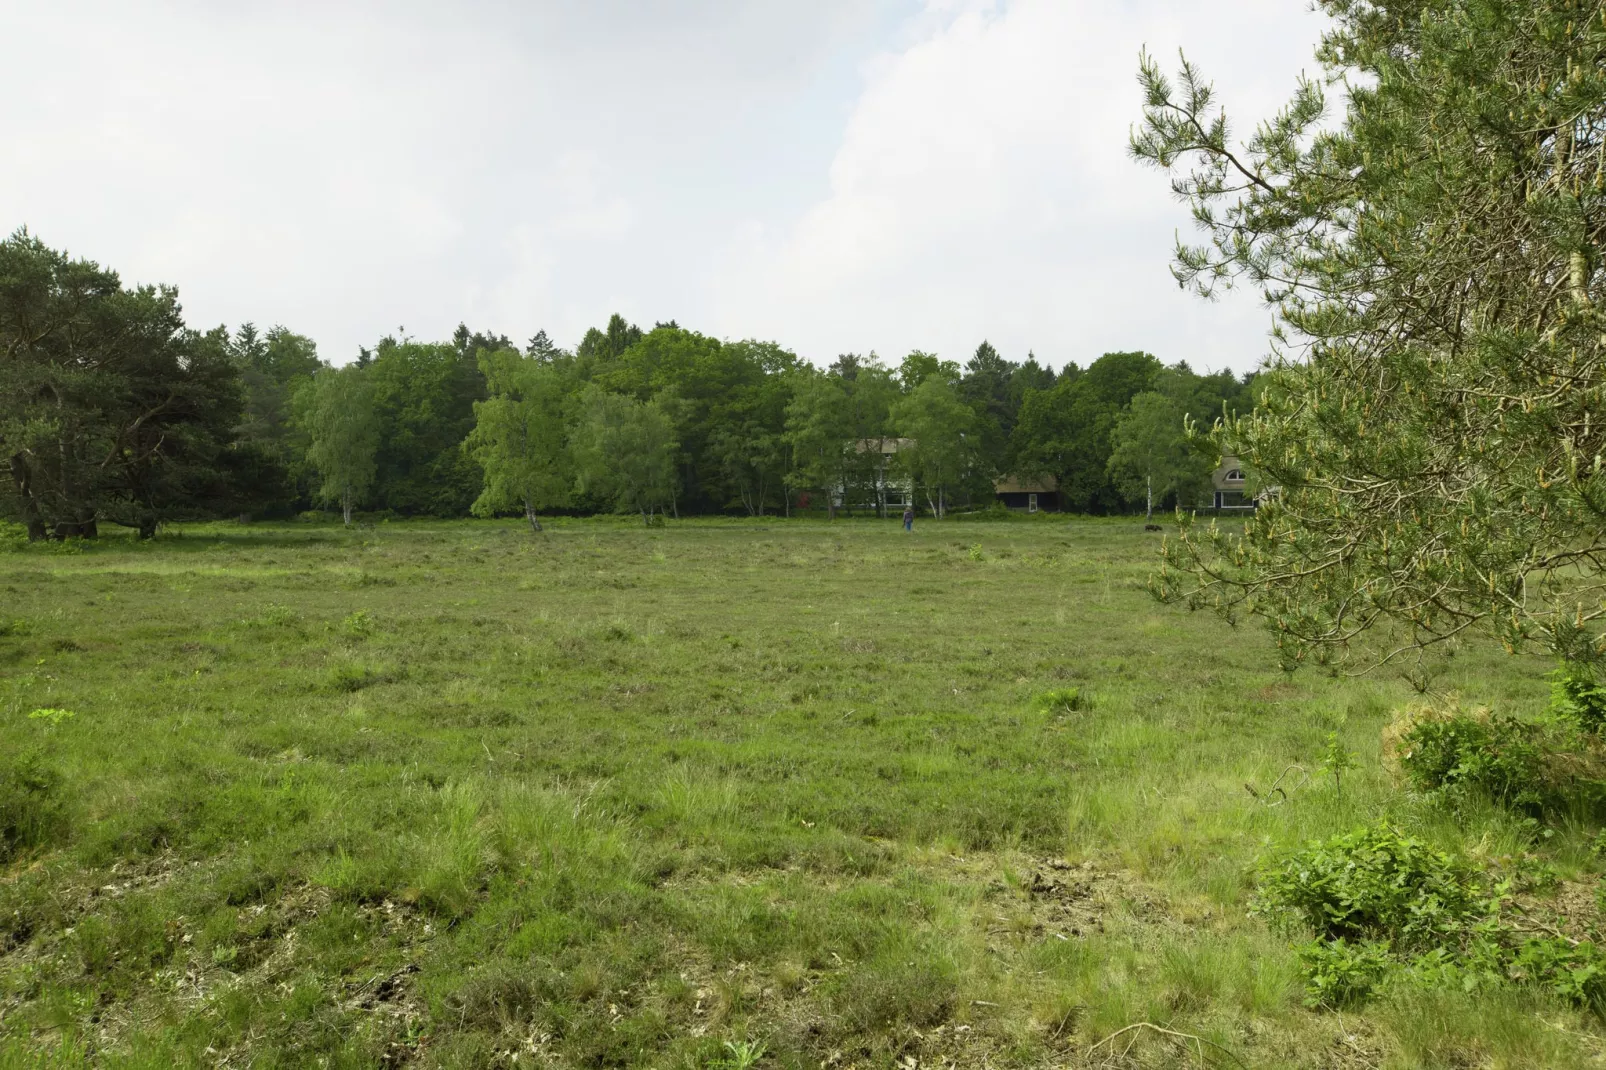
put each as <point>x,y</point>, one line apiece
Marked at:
<point>835,175</point>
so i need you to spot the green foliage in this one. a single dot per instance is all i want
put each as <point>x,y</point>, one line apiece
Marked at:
<point>1336,760</point>
<point>1342,974</point>
<point>625,450</point>
<point>358,625</point>
<point>1575,694</point>
<point>13,537</point>
<point>1503,757</point>
<point>423,409</point>
<point>939,430</point>
<point>51,715</point>
<point>1063,700</point>
<point>518,437</point>
<point>271,448</point>
<point>336,409</point>
<point>1374,884</point>
<point>111,409</point>
<point>741,1055</point>
<point>1382,903</point>
<point>1574,971</point>
<point>1433,255</point>
<point>33,805</point>
<point>1065,432</point>
<point>1151,454</point>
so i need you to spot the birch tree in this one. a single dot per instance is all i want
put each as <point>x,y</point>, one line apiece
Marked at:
<point>518,437</point>
<point>337,411</point>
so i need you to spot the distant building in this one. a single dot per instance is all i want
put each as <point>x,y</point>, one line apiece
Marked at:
<point>887,489</point>
<point>1030,495</point>
<point>1229,486</point>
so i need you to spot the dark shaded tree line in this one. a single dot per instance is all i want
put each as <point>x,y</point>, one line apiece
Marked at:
<point>113,410</point>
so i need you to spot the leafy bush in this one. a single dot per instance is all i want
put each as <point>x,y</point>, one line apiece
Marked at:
<point>1538,767</point>
<point>1341,974</point>
<point>1379,902</point>
<point>33,809</point>
<point>1577,973</point>
<point>13,537</point>
<point>1500,756</point>
<point>1374,884</point>
<point>995,512</point>
<point>1576,696</point>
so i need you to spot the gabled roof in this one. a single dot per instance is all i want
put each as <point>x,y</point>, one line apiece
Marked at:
<point>1019,485</point>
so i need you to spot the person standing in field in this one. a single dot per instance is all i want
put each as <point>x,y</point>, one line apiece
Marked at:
<point>908,518</point>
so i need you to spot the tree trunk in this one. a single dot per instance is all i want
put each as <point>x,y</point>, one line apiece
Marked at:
<point>881,488</point>
<point>1148,516</point>
<point>529,514</point>
<point>22,476</point>
<point>345,506</point>
<point>147,526</point>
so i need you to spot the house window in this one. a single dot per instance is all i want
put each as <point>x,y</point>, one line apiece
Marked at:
<point>1234,475</point>
<point>1031,503</point>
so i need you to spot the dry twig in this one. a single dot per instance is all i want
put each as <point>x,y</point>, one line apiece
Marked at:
<point>1136,1028</point>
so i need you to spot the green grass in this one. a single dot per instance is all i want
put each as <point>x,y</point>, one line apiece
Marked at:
<point>719,794</point>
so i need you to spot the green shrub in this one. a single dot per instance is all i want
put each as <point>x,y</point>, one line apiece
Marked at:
<point>1576,696</point>
<point>1380,902</point>
<point>33,811</point>
<point>995,512</point>
<point>358,625</point>
<point>1577,973</point>
<point>1500,756</point>
<point>1341,974</point>
<point>1374,884</point>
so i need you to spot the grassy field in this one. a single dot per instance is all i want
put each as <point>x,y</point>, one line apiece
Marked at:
<point>722,794</point>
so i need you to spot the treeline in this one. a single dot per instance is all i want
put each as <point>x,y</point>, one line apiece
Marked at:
<point>113,410</point>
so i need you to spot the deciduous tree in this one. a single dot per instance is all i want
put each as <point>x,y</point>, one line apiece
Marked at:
<point>939,446</point>
<point>518,438</point>
<point>336,407</point>
<point>625,449</point>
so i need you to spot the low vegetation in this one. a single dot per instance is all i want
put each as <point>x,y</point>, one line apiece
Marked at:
<point>743,793</point>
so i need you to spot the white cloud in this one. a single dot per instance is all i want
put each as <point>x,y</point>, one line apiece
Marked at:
<point>837,175</point>
<point>982,189</point>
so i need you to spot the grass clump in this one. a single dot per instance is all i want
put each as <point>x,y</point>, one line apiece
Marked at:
<point>33,806</point>
<point>1383,905</point>
<point>353,677</point>
<point>1063,700</point>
